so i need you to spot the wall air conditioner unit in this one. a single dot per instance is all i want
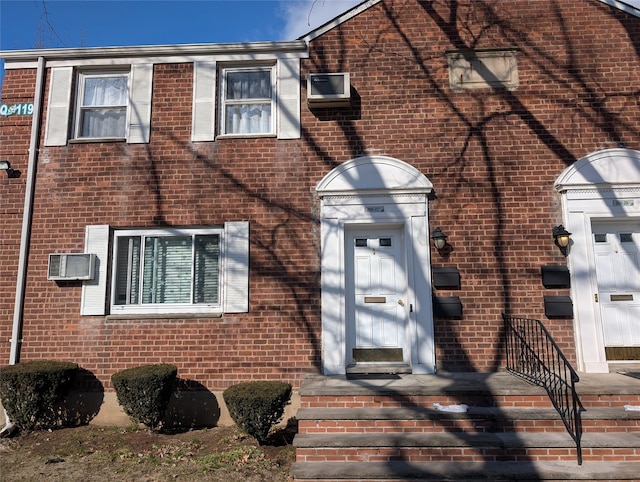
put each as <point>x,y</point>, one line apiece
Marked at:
<point>328,90</point>
<point>71,267</point>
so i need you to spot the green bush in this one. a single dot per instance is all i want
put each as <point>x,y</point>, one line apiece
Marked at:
<point>144,392</point>
<point>31,390</point>
<point>255,407</point>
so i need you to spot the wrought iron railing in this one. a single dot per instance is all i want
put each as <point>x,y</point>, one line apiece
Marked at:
<point>534,355</point>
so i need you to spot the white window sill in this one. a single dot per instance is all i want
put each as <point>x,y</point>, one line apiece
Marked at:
<point>86,140</point>
<point>161,316</point>
<point>245,136</point>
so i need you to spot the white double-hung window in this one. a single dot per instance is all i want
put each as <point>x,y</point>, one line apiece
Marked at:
<point>102,105</point>
<point>167,270</point>
<point>248,101</point>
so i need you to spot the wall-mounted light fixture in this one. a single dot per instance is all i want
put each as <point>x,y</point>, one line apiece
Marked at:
<point>561,238</point>
<point>439,239</point>
<point>6,166</point>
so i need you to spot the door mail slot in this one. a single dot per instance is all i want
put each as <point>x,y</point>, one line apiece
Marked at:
<point>621,298</point>
<point>375,299</point>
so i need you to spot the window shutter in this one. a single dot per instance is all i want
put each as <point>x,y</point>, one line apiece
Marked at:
<point>94,292</point>
<point>204,109</point>
<point>236,279</point>
<point>140,97</point>
<point>288,99</point>
<point>57,128</point>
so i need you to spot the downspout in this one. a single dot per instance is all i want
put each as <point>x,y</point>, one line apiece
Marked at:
<point>25,237</point>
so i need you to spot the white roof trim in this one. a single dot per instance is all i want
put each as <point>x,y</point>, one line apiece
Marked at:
<point>181,51</point>
<point>338,20</point>
<point>631,7</point>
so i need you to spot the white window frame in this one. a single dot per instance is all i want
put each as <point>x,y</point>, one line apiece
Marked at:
<point>81,79</point>
<point>271,68</point>
<point>161,308</point>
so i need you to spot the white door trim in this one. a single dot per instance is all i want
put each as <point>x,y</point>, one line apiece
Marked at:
<point>604,185</point>
<point>368,191</point>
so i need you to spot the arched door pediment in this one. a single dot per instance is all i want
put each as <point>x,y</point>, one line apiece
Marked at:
<point>608,167</point>
<point>374,174</point>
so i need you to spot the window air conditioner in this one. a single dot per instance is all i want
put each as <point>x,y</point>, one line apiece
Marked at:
<point>69,267</point>
<point>328,90</point>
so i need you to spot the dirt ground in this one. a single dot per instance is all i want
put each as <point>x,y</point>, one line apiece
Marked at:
<point>91,454</point>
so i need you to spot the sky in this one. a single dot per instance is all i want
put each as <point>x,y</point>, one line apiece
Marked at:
<point>28,24</point>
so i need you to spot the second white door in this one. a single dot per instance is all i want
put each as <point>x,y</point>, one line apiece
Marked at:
<point>617,252</point>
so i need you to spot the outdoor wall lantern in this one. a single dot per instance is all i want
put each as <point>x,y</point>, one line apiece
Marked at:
<point>561,238</point>
<point>439,239</point>
<point>6,166</point>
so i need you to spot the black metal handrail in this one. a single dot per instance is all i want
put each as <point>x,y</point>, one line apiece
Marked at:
<point>534,355</point>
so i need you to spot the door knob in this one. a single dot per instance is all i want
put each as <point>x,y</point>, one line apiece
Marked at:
<point>401,303</point>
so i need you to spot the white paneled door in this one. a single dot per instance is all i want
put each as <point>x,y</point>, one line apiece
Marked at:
<point>377,312</point>
<point>617,254</point>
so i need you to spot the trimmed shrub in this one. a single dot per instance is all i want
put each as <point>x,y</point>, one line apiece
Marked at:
<point>257,406</point>
<point>144,392</point>
<point>31,390</point>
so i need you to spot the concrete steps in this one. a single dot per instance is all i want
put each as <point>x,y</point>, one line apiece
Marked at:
<point>476,419</point>
<point>465,447</point>
<point>388,429</point>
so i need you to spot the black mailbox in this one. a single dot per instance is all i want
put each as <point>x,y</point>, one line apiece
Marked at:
<point>558,307</point>
<point>555,276</point>
<point>447,307</point>
<point>446,278</point>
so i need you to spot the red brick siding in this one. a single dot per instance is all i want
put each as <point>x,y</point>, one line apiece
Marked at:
<point>492,157</point>
<point>15,132</point>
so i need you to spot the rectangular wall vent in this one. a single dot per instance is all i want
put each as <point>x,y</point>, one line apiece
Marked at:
<point>70,267</point>
<point>328,90</point>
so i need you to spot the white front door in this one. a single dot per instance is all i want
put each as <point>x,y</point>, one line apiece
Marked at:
<point>617,253</point>
<point>377,312</point>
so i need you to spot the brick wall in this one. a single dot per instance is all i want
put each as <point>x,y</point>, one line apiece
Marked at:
<point>174,182</point>
<point>492,157</point>
<point>15,132</point>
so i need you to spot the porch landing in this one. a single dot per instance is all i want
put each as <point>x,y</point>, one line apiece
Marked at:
<point>443,383</point>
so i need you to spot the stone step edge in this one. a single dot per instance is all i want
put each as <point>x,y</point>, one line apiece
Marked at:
<point>610,440</point>
<point>486,413</point>
<point>494,471</point>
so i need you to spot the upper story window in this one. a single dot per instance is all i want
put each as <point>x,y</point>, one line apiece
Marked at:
<point>102,105</point>
<point>248,101</point>
<point>99,106</point>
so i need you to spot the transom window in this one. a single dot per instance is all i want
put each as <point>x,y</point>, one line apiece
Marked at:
<point>102,105</point>
<point>248,102</point>
<point>167,270</point>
